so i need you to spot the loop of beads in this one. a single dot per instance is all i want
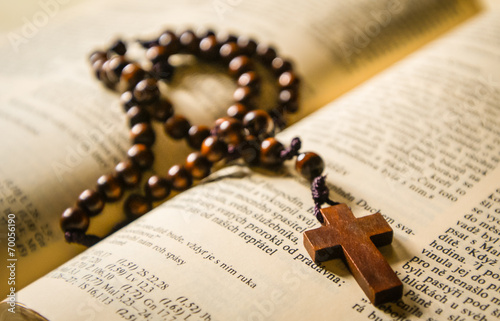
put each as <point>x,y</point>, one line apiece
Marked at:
<point>246,132</point>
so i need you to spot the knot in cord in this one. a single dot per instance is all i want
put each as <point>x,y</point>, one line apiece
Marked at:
<point>320,196</point>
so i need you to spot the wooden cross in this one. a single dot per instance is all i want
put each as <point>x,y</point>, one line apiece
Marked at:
<point>355,239</point>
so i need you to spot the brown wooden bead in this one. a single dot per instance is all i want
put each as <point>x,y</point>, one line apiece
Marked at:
<point>258,122</point>
<point>189,42</point>
<point>247,46</point>
<point>288,100</point>
<point>141,155</point>
<point>161,109</point>
<point>177,127</point>
<point>130,76</point>
<point>91,202</point>
<point>244,95</point>
<point>279,66</point>
<point>146,91</point>
<point>198,165</point>
<point>196,135</point>
<point>309,165</point>
<point>136,205</point>
<point>104,73</point>
<point>209,47</point>
<point>239,65</point>
<point>97,68</point>
<point>230,130</point>
<point>156,54</point>
<point>127,100</point>
<point>265,53</point>
<point>118,47</point>
<point>157,188</point>
<point>74,219</point>
<point>237,111</point>
<point>213,149</point>
<point>180,178</point>
<point>228,51</point>
<point>143,133</point>
<point>288,79</point>
<point>169,40</point>
<point>109,186</point>
<point>137,115</point>
<point>97,55</point>
<point>250,150</point>
<point>270,150</point>
<point>250,79</point>
<point>115,66</point>
<point>128,174</point>
<point>225,37</point>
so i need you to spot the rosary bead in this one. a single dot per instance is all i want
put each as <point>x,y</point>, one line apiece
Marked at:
<point>97,55</point>
<point>189,42</point>
<point>137,115</point>
<point>118,47</point>
<point>161,109</point>
<point>244,95</point>
<point>288,79</point>
<point>279,66</point>
<point>196,135</point>
<point>127,100</point>
<point>247,46</point>
<point>156,54</point>
<point>74,219</point>
<point>225,37</point>
<point>180,178</point>
<point>265,53</point>
<point>228,51</point>
<point>309,165</point>
<point>250,79</point>
<point>250,150</point>
<point>128,173</point>
<point>162,70</point>
<point>270,151</point>
<point>198,165</point>
<point>141,155</point>
<point>237,111</point>
<point>146,91</point>
<point>91,202</point>
<point>142,133</point>
<point>130,76</point>
<point>136,205</point>
<point>230,130</point>
<point>169,40</point>
<point>240,65</point>
<point>213,149</point>
<point>177,127</point>
<point>287,99</point>
<point>209,47</point>
<point>97,68</point>
<point>109,186</point>
<point>104,73</point>
<point>157,188</point>
<point>115,66</point>
<point>258,122</point>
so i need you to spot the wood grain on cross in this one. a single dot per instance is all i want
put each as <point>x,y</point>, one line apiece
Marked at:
<point>355,239</point>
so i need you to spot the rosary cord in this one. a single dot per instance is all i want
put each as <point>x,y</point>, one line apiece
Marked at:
<point>320,192</point>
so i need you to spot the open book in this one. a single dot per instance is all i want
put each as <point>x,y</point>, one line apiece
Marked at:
<point>419,142</point>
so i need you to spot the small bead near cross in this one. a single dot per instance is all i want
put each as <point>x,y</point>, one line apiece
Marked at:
<point>355,239</point>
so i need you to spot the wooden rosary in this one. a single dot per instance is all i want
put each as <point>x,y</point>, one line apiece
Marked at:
<point>246,133</point>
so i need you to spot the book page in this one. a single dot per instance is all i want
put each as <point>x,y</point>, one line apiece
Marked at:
<point>64,130</point>
<point>419,143</point>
